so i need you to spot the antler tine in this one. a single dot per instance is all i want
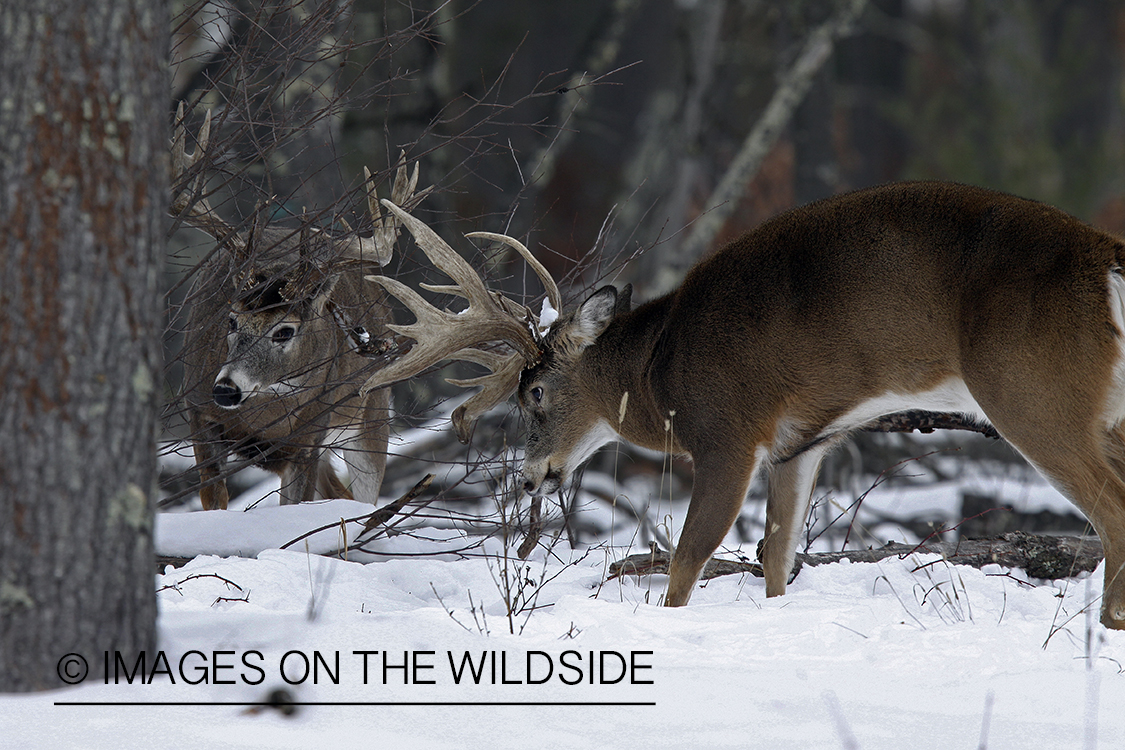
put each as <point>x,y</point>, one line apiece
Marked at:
<point>380,247</point>
<point>188,202</point>
<point>495,387</point>
<point>404,188</point>
<point>178,156</point>
<point>182,162</point>
<point>549,285</point>
<point>447,260</point>
<point>440,334</point>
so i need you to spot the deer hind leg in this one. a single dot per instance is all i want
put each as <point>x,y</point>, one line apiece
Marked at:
<point>788,495</point>
<point>716,498</point>
<point>1111,529</point>
<point>1088,470</point>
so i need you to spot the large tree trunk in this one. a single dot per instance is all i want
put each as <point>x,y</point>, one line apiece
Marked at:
<point>83,191</point>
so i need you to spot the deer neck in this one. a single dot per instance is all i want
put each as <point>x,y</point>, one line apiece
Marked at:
<point>616,372</point>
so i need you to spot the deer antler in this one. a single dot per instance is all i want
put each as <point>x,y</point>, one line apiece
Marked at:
<point>189,202</point>
<point>193,207</point>
<point>381,244</point>
<point>503,379</point>
<point>442,335</point>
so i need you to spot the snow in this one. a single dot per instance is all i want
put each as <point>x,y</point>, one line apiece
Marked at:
<point>547,316</point>
<point>891,654</point>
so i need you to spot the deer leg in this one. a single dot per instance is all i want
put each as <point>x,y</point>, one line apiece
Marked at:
<point>365,451</point>
<point>716,498</point>
<point>1086,468</point>
<point>210,460</point>
<point>789,493</point>
<point>1110,525</point>
<point>1091,483</point>
<point>1066,438</point>
<point>299,477</point>
<point>328,484</point>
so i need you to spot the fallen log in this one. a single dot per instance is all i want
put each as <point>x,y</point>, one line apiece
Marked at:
<point>1046,557</point>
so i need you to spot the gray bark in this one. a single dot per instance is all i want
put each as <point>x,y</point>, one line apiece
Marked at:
<point>83,192</point>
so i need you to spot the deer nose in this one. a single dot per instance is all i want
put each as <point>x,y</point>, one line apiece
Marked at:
<point>550,483</point>
<point>226,393</point>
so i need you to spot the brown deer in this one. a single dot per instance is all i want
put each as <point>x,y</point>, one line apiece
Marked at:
<point>275,343</point>
<point>924,295</point>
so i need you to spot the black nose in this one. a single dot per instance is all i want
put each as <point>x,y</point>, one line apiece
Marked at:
<point>227,394</point>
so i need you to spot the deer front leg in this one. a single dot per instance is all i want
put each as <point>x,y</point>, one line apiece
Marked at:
<point>788,495</point>
<point>210,460</point>
<point>716,499</point>
<point>364,450</point>
<point>299,477</point>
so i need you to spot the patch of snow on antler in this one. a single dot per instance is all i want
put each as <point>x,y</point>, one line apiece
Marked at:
<point>547,316</point>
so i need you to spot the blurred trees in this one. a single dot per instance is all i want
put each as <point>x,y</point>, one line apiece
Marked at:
<point>641,106</point>
<point>598,130</point>
<point>604,125</point>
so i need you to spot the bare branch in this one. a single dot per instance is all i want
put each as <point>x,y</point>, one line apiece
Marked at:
<point>791,90</point>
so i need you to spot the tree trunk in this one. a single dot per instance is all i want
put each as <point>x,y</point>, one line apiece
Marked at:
<point>83,192</point>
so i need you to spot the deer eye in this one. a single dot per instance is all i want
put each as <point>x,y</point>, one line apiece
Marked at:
<point>283,334</point>
<point>537,394</point>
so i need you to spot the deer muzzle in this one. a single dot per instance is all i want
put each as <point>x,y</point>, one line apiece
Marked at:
<point>537,482</point>
<point>226,393</point>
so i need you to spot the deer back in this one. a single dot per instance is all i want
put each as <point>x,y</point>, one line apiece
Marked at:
<point>889,290</point>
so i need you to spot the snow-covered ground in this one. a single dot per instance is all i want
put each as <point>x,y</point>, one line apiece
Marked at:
<point>884,655</point>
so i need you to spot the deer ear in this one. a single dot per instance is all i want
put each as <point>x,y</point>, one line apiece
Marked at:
<point>320,296</point>
<point>595,314</point>
<point>624,300</point>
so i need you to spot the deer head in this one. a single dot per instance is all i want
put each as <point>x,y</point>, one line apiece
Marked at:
<point>277,325</point>
<point>563,427</point>
<point>542,365</point>
<point>283,280</point>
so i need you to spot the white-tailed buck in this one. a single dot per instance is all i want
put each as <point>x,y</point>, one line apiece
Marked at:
<point>923,295</point>
<point>274,348</point>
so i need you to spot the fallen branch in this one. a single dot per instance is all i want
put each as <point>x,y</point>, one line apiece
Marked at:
<point>388,511</point>
<point>373,519</point>
<point>925,421</point>
<point>1046,557</point>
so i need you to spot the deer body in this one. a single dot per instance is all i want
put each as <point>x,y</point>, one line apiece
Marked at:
<point>275,381</point>
<point>913,296</point>
<point>928,296</point>
<point>278,343</point>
